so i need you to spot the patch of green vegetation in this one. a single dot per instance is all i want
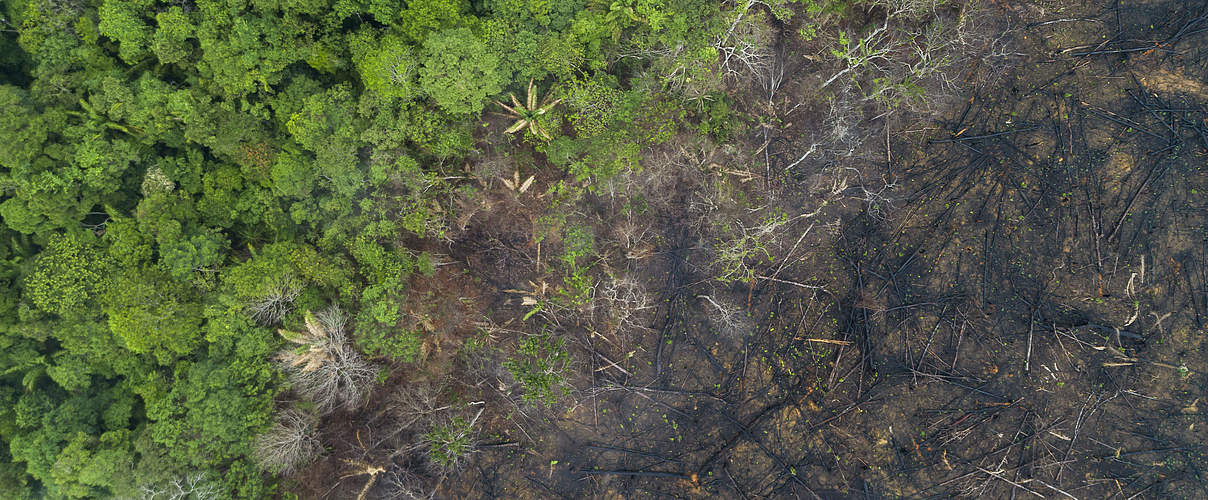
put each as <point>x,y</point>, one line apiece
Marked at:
<point>450,444</point>
<point>540,365</point>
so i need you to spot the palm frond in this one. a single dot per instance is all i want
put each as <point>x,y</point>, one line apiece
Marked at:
<point>517,126</point>
<point>509,108</point>
<point>532,95</point>
<point>314,326</point>
<point>548,106</point>
<point>540,131</point>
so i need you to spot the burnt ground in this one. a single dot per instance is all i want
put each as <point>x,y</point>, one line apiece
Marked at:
<point>1021,315</point>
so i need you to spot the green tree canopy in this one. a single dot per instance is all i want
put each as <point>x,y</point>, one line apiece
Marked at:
<point>459,71</point>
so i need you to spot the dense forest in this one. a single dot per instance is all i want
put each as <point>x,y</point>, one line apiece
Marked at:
<point>377,248</point>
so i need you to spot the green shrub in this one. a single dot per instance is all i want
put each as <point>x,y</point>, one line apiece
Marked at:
<point>450,444</point>
<point>376,339</point>
<point>540,365</point>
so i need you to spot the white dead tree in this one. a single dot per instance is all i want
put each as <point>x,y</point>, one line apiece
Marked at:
<point>743,49</point>
<point>270,308</point>
<point>291,442</point>
<point>194,486</point>
<point>629,304</point>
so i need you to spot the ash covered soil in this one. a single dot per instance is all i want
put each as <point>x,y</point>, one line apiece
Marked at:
<point>1004,298</point>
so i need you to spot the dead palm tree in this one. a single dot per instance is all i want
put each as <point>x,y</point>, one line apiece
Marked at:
<point>315,346</point>
<point>324,367</point>
<point>527,112</point>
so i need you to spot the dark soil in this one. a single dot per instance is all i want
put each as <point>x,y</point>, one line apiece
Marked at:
<point>1021,316</point>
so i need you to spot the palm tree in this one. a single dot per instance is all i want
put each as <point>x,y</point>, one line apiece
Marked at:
<point>526,113</point>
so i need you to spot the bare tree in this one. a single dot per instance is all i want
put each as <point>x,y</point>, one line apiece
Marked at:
<point>269,309</point>
<point>195,486</point>
<point>727,317</point>
<point>325,367</point>
<point>401,483</point>
<point>629,303</point>
<point>744,50</point>
<point>291,442</point>
<point>417,403</point>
